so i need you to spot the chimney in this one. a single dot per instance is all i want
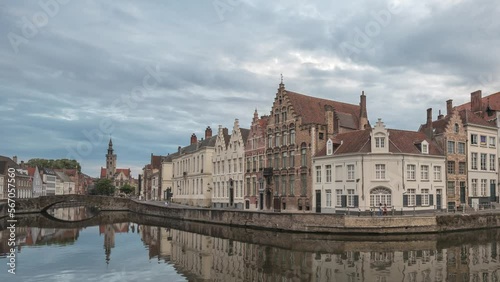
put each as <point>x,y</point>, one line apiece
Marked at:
<point>14,158</point>
<point>329,119</point>
<point>475,101</point>
<point>179,149</point>
<point>449,107</point>
<point>193,139</point>
<point>208,132</point>
<point>22,164</point>
<point>440,116</point>
<point>225,131</point>
<point>429,116</point>
<point>363,117</point>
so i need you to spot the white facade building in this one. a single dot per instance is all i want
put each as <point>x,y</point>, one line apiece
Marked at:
<point>366,169</point>
<point>229,168</point>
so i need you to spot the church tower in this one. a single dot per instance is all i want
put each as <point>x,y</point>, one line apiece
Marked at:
<point>110,161</point>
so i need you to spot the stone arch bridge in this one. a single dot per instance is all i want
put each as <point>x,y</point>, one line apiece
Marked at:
<point>41,204</point>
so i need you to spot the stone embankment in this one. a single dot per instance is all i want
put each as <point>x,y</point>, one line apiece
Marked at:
<point>296,222</point>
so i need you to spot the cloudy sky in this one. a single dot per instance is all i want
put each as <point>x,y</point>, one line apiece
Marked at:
<point>150,73</point>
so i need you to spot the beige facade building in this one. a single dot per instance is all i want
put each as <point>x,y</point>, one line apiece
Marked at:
<point>192,171</point>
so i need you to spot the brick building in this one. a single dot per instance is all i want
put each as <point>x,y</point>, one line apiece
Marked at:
<point>257,196</point>
<point>298,128</point>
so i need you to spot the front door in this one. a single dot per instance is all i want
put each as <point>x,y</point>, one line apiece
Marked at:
<point>231,196</point>
<point>493,194</point>
<point>277,204</point>
<point>438,199</point>
<point>318,201</point>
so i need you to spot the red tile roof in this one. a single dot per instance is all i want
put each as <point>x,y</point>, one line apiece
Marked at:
<point>400,141</point>
<point>312,109</point>
<point>469,117</point>
<point>492,100</point>
<point>125,171</point>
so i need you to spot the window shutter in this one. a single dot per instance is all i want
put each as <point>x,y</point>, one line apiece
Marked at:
<point>343,199</point>
<point>405,200</point>
<point>431,200</point>
<point>356,201</point>
<point>418,200</point>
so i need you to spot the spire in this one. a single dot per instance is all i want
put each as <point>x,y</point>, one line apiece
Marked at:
<point>255,115</point>
<point>282,85</point>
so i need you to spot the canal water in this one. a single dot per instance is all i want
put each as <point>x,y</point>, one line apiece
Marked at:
<point>131,247</point>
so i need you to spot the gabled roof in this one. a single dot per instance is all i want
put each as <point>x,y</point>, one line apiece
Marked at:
<point>210,142</point>
<point>438,126</point>
<point>62,176</point>
<point>400,141</point>
<point>493,101</point>
<point>125,171</point>
<point>244,134</point>
<point>311,110</point>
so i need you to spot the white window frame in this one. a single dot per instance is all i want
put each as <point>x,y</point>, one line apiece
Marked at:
<point>328,173</point>
<point>424,172</point>
<point>411,171</point>
<point>328,198</point>
<point>380,171</point>
<point>412,197</point>
<point>437,173</point>
<point>350,172</point>
<point>318,174</point>
<point>338,196</point>
<point>425,197</point>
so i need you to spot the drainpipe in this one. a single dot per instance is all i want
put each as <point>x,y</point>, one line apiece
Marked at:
<point>362,177</point>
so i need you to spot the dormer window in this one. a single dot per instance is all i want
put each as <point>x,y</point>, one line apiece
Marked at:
<point>329,147</point>
<point>424,147</point>
<point>379,142</point>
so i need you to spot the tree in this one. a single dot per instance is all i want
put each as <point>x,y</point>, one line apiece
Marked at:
<point>103,187</point>
<point>59,163</point>
<point>127,189</point>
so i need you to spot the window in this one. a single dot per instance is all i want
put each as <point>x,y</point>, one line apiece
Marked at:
<point>303,157</point>
<point>261,162</point>
<point>283,184</point>
<point>277,140</point>
<point>473,139</point>
<point>461,168</point>
<point>254,186</point>
<point>248,187</point>
<point>380,171</point>
<point>474,187</point>
<point>254,163</point>
<point>292,136</point>
<point>284,158</point>
<point>328,198</point>
<point>457,128</point>
<point>328,169</point>
<point>350,172</point>
<point>473,160</point>
<point>483,187</point>
<point>437,173</point>
<point>291,183</point>
<point>329,147</point>
<point>412,197</point>
<point>338,194</point>
<point>425,197</point>
<point>451,147</point>
<point>380,196</point>
<point>450,188</point>
<point>379,142</point>
<point>492,141</point>
<point>425,148</point>
<point>461,148</point>
<point>424,172</point>
<point>292,158</point>
<point>318,174</point>
<point>270,141</point>
<point>483,140</point>
<point>483,161</point>
<point>410,172</point>
<point>492,161</point>
<point>321,136</point>
<point>350,197</point>
<point>276,161</point>
<point>451,167</point>
<point>285,138</point>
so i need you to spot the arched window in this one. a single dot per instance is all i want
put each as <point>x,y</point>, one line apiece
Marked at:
<point>329,147</point>
<point>380,195</point>
<point>303,156</point>
<point>457,127</point>
<point>292,136</point>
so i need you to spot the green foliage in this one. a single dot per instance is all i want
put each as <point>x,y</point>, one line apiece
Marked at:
<point>59,163</point>
<point>104,187</point>
<point>127,189</point>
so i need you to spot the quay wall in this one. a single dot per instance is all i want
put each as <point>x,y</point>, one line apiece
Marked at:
<point>295,222</point>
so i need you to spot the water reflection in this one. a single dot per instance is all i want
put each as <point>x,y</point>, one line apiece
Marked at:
<point>200,252</point>
<point>75,212</point>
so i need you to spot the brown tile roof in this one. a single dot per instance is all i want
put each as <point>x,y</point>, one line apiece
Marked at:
<point>400,141</point>
<point>125,171</point>
<point>438,126</point>
<point>244,134</point>
<point>492,100</point>
<point>312,109</point>
<point>469,117</point>
<point>156,161</point>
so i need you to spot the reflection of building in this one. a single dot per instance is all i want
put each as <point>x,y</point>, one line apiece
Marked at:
<point>109,231</point>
